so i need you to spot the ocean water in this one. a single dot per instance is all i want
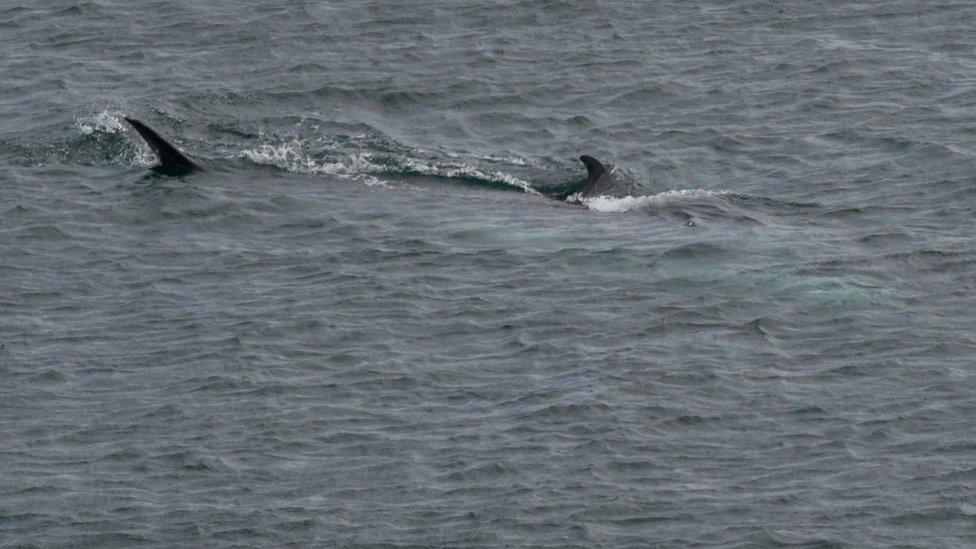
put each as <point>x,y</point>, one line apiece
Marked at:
<point>363,326</point>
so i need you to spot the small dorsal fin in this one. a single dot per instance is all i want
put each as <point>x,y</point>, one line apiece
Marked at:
<point>171,160</point>
<point>594,170</point>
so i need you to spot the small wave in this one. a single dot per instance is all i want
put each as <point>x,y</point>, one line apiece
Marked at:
<point>624,204</point>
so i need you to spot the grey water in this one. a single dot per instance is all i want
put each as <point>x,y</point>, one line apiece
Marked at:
<point>363,326</point>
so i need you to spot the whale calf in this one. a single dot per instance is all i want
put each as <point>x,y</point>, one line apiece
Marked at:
<point>173,162</point>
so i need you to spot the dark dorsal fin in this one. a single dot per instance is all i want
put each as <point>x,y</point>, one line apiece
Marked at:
<point>598,181</point>
<point>171,160</point>
<point>594,170</point>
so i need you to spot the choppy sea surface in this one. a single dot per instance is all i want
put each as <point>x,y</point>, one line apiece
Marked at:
<point>362,326</point>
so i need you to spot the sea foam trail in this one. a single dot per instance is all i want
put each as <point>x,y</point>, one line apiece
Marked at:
<point>623,204</point>
<point>464,170</point>
<point>293,156</point>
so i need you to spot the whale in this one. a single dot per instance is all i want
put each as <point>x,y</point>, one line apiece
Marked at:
<point>171,160</point>
<point>174,162</point>
<point>598,178</point>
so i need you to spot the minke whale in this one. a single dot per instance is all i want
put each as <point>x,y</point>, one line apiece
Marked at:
<point>173,162</point>
<point>598,181</point>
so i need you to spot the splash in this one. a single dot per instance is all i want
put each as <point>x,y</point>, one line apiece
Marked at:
<point>103,140</point>
<point>103,122</point>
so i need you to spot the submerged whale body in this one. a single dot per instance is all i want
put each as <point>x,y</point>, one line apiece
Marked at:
<point>173,162</point>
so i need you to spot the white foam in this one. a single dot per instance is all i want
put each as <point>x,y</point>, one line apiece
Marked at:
<point>293,156</point>
<point>627,203</point>
<point>104,121</point>
<point>111,122</point>
<point>503,159</point>
<point>463,170</point>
